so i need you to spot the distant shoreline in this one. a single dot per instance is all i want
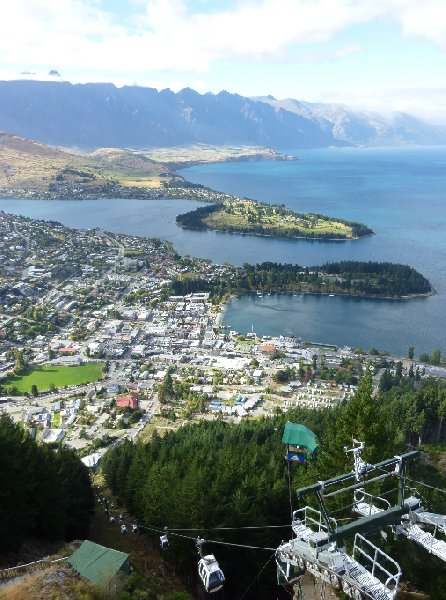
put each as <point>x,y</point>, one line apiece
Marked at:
<point>270,155</point>
<point>179,189</point>
<point>286,237</point>
<point>405,298</point>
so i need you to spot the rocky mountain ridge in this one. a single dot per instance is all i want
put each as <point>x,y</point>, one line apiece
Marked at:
<point>96,115</point>
<point>359,128</point>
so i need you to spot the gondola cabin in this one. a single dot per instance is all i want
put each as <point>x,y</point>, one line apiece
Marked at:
<point>210,573</point>
<point>300,441</point>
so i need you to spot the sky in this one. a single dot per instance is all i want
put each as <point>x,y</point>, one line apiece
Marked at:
<point>383,55</point>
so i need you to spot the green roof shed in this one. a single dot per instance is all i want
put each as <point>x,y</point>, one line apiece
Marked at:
<point>301,441</point>
<point>99,564</point>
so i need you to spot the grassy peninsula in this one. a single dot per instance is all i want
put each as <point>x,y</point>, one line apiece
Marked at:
<point>29,169</point>
<point>258,218</point>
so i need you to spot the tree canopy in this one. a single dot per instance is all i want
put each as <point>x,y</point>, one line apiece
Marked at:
<point>214,474</point>
<point>346,277</point>
<point>43,493</point>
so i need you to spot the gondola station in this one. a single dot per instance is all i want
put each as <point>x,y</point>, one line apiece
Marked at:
<point>332,542</point>
<point>319,542</point>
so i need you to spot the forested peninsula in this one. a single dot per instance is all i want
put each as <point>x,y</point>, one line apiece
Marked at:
<point>271,220</point>
<point>354,278</point>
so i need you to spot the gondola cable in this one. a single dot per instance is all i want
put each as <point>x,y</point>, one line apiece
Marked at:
<point>426,485</point>
<point>188,537</point>
<point>290,491</point>
<point>230,528</point>
<point>256,577</point>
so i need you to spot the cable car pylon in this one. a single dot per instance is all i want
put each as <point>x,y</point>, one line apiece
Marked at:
<point>418,525</point>
<point>366,572</point>
<point>319,543</point>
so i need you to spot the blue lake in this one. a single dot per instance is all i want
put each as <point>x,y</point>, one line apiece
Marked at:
<point>400,193</point>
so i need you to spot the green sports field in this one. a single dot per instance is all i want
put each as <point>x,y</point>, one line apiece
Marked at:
<point>60,376</point>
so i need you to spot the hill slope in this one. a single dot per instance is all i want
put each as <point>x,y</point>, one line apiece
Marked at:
<point>29,165</point>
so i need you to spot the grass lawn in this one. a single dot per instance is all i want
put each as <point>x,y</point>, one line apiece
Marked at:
<point>236,214</point>
<point>161,425</point>
<point>44,376</point>
<point>247,342</point>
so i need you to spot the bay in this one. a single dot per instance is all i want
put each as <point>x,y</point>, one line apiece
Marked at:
<point>148,218</point>
<point>400,193</point>
<point>390,325</point>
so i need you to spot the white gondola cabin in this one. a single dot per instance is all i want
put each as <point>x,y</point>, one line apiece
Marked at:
<point>210,573</point>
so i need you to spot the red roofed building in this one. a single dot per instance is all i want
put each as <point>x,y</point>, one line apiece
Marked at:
<point>128,400</point>
<point>268,348</point>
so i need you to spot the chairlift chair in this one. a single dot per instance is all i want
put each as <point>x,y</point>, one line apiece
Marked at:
<point>210,573</point>
<point>287,572</point>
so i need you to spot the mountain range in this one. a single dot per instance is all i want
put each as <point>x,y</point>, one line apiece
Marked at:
<point>97,115</point>
<point>358,128</point>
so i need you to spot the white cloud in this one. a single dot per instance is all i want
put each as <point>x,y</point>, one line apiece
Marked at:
<point>333,56</point>
<point>168,35</point>
<point>423,19</point>
<point>347,51</point>
<point>427,104</point>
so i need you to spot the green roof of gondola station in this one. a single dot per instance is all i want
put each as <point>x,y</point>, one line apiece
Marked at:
<point>296,434</point>
<point>97,563</point>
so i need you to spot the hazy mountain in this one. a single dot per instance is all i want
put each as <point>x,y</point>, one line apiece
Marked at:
<point>102,115</point>
<point>361,128</point>
<point>98,115</point>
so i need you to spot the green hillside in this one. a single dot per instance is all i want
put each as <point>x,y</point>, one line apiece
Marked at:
<point>214,475</point>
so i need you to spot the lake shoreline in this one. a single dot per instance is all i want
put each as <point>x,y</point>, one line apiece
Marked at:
<point>399,193</point>
<point>281,237</point>
<point>405,298</point>
<point>242,313</point>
